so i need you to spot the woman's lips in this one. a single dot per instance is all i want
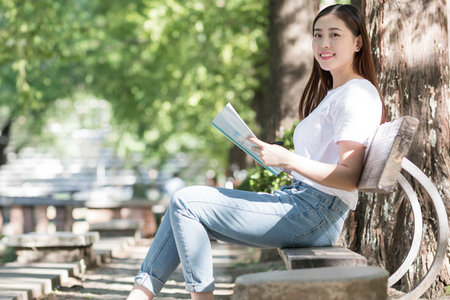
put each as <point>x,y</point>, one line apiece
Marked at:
<point>326,55</point>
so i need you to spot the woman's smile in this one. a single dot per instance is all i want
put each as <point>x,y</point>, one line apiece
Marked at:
<point>326,55</point>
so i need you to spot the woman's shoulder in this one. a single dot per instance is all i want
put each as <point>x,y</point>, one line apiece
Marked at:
<point>357,95</point>
<point>359,90</point>
<point>362,85</point>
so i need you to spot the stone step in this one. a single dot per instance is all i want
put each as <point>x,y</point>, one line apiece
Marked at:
<point>108,247</point>
<point>26,282</point>
<point>337,283</point>
<point>32,280</point>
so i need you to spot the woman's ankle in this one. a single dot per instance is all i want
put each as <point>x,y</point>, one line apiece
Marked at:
<point>139,292</point>
<point>202,296</point>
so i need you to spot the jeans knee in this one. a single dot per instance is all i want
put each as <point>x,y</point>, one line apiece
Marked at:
<point>179,200</point>
<point>176,201</point>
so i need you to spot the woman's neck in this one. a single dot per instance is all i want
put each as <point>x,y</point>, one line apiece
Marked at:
<point>340,77</point>
<point>343,80</point>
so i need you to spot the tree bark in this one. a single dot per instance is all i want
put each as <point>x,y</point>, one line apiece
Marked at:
<point>356,3</point>
<point>290,61</point>
<point>4,140</point>
<point>409,41</point>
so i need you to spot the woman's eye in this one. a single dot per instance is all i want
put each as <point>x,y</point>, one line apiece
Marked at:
<point>334,35</point>
<point>316,35</point>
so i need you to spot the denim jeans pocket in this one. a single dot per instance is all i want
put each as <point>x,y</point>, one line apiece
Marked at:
<point>314,237</point>
<point>335,217</point>
<point>313,215</point>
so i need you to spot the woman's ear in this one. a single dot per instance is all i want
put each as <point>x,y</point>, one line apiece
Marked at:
<point>359,43</point>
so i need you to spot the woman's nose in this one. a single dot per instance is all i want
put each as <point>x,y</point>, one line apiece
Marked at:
<point>325,42</point>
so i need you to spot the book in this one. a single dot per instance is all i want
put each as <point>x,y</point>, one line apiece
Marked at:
<point>230,124</point>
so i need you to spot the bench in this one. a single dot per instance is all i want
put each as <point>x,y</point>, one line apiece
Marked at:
<point>122,215</point>
<point>54,247</point>
<point>28,214</point>
<point>381,172</point>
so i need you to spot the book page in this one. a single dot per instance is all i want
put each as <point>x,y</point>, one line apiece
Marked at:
<point>230,124</point>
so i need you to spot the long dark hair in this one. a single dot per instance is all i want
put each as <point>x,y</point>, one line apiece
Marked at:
<point>320,80</point>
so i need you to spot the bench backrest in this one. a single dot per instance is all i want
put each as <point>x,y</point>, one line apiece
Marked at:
<point>383,161</point>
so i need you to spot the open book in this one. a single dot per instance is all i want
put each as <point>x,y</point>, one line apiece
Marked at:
<point>230,124</point>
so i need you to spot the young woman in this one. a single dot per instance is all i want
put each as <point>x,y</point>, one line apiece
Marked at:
<point>340,111</point>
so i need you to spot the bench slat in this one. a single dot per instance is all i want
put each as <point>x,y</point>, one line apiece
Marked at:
<point>383,162</point>
<point>319,257</point>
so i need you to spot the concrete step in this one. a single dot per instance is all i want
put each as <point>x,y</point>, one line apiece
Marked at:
<point>26,282</point>
<point>108,247</point>
<point>32,280</point>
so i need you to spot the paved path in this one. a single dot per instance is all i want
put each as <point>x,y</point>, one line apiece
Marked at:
<point>114,279</point>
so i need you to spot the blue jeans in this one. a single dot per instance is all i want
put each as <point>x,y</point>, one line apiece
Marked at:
<point>295,216</point>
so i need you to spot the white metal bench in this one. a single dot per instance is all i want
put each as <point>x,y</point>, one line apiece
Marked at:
<point>381,172</point>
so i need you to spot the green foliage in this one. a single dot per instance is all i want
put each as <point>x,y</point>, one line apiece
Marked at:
<point>37,58</point>
<point>261,180</point>
<point>167,67</point>
<point>8,255</point>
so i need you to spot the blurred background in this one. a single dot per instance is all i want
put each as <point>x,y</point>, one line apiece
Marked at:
<point>107,105</point>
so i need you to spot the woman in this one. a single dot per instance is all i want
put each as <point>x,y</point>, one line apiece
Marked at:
<point>340,111</point>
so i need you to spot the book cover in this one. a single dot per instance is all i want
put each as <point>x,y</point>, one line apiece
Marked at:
<point>230,124</point>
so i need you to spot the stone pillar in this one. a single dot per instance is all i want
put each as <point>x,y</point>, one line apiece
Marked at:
<point>28,219</point>
<point>64,219</point>
<point>16,219</point>
<point>149,228</point>
<point>41,218</point>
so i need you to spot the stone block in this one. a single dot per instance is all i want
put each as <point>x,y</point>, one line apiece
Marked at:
<point>57,239</point>
<point>319,257</point>
<point>332,283</point>
<point>116,228</point>
<point>55,247</point>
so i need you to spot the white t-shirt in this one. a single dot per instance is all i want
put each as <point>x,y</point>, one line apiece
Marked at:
<point>350,112</point>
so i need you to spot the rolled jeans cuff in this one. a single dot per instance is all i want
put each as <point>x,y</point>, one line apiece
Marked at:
<point>151,283</point>
<point>200,288</point>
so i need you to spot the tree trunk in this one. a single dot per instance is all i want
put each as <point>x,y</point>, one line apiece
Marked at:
<point>290,63</point>
<point>290,60</point>
<point>4,140</point>
<point>409,41</point>
<point>356,3</point>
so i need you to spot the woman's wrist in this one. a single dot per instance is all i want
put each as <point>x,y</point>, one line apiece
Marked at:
<point>289,161</point>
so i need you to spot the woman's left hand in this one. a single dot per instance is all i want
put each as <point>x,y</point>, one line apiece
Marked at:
<point>271,155</point>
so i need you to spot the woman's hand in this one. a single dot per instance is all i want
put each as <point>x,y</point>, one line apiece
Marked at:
<point>270,154</point>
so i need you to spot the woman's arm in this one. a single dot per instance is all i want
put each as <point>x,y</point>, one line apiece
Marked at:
<point>344,175</point>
